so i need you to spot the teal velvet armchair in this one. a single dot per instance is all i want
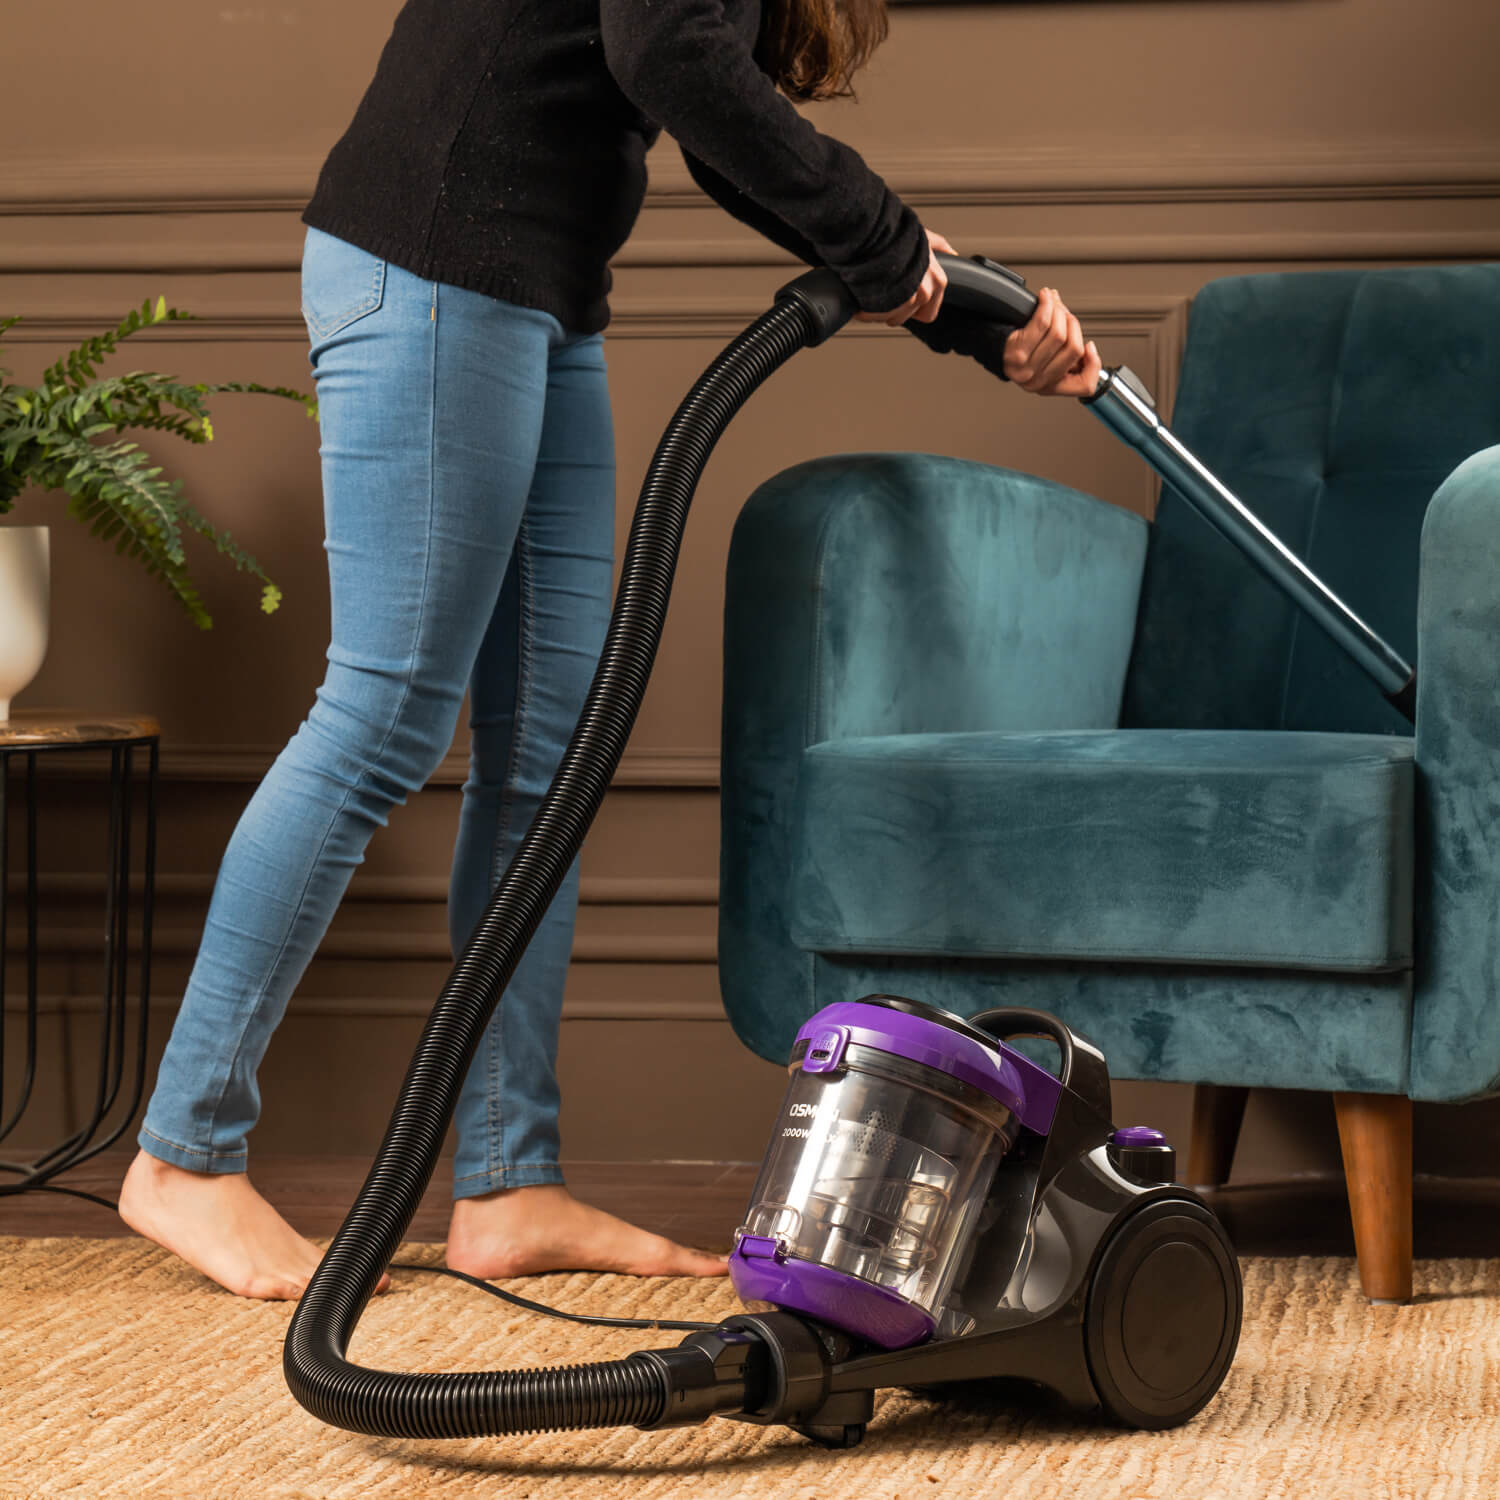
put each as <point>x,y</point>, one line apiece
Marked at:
<point>989,740</point>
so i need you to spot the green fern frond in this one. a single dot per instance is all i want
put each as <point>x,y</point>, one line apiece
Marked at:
<point>111,526</point>
<point>78,367</point>
<point>226,546</point>
<point>54,436</point>
<point>309,403</point>
<point>98,504</point>
<point>15,438</point>
<point>120,475</point>
<point>139,399</point>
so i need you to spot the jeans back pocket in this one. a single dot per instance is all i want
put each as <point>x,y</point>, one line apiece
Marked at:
<point>340,284</point>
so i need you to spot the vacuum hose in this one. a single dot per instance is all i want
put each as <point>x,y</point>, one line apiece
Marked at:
<point>636,1390</point>
<point>769,1363</point>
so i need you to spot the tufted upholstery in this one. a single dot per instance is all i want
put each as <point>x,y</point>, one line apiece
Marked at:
<point>1333,403</point>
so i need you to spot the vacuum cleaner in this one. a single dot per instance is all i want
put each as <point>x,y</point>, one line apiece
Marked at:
<point>935,1210</point>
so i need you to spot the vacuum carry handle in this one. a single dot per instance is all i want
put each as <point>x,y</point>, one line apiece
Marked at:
<point>1081,1065</point>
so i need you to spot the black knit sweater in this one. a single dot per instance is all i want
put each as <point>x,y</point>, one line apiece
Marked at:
<point>501,147</point>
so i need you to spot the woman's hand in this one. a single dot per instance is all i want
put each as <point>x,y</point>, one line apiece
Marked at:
<point>924,304</point>
<point>1048,357</point>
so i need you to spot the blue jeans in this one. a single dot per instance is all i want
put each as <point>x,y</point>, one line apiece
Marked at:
<point>468,483</point>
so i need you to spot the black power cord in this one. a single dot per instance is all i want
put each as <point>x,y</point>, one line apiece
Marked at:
<point>594,1320</point>
<point>12,1190</point>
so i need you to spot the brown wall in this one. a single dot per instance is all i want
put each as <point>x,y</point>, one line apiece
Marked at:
<point>1123,152</point>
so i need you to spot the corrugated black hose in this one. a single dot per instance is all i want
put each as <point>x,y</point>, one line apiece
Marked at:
<point>634,1390</point>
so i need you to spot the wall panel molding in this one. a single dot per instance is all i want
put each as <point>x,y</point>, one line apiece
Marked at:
<point>672,918</point>
<point>141,248</point>
<point>239,764</point>
<point>597,890</point>
<point>1161,318</point>
<point>183,213</point>
<point>143,181</point>
<point>370,1007</point>
<point>347,941</point>
<point>635,316</point>
<point>249,763</point>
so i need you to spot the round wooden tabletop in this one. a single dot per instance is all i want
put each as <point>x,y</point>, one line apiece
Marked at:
<point>32,729</point>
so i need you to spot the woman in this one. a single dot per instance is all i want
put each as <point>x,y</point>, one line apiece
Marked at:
<point>455,278</point>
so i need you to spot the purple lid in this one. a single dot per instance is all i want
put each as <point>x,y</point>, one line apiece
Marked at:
<point>1138,1135</point>
<point>1027,1090</point>
<point>874,1313</point>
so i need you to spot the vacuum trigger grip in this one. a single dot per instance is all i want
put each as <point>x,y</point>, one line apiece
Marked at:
<point>987,290</point>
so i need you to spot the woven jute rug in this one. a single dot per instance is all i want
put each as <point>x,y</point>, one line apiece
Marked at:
<point>125,1373</point>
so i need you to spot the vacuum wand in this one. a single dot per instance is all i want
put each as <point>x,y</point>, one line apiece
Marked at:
<point>986,289</point>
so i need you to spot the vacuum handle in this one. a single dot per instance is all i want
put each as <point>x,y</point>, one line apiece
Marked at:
<point>1082,1068</point>
<point>976,285</point>
<point>979,285</point>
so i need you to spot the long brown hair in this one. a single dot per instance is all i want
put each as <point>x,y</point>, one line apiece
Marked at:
<point>813,48</point>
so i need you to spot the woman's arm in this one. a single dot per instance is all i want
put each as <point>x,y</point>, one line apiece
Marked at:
<point>691,69</point>
<point>749,212</point>
<point>1049,356</point>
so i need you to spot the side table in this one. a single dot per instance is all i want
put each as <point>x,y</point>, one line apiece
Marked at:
<point>25,739</point>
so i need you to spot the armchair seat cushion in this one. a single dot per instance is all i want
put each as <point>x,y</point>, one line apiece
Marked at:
<point>1251,848</point>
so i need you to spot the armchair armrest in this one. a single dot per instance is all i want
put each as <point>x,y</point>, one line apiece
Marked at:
<point>1456,1007</point>
<point>897,593</point>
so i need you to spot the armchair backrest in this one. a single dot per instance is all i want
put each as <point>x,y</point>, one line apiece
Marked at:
<point>1333,403</point>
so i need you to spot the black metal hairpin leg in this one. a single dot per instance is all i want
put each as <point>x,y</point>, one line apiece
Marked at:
<point>28,1077</point>
<point>4,917</point>
<point>148,902</point>
<point>80,1146</point>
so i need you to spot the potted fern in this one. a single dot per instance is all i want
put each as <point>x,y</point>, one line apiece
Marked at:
<point>68,434</point>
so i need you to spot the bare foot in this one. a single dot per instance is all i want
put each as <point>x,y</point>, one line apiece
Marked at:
<point>220,1225</point>
<point>525,1231</point>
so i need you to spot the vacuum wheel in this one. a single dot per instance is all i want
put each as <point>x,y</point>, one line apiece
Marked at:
<point>1163,1317</point>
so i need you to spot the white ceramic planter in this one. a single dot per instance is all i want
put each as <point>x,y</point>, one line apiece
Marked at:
<point>25,588</point>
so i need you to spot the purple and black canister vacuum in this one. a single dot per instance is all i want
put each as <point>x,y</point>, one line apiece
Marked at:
<point>935,1210</point>
<point>942,1208</point>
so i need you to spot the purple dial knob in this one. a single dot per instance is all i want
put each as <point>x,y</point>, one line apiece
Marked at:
<point>1143,1153</point>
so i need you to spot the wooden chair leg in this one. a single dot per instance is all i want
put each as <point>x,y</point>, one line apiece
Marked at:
<point>1375,1134</point>
<point>1218,1112</point>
